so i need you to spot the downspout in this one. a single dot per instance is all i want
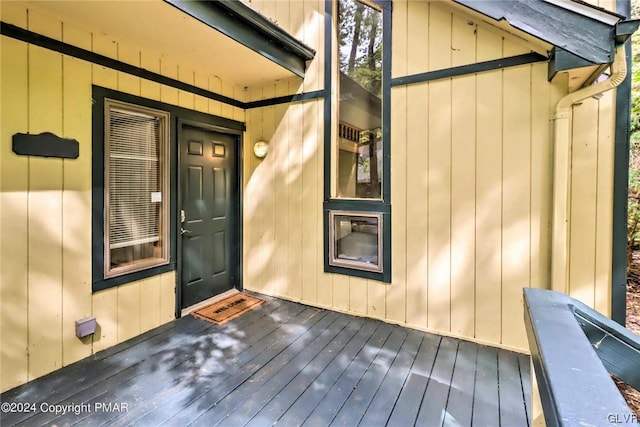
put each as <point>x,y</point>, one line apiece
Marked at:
<point>562,168</point>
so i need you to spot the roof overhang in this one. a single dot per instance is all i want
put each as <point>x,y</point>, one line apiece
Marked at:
<point>582,36</point>
<point>248,27</point>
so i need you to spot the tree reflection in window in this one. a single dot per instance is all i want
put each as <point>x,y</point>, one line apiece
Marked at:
<point>360,149</point>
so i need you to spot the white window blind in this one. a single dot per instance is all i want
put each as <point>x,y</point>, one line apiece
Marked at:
<point>134,175</point>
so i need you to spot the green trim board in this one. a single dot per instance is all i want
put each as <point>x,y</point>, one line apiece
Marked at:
<point>328,60</point>
<point>478,67</point>
<point>249,28</point>
<point>625,29</point>
<point>276,34</point>
<point>286,99</point>
<point>561,60</point>
<point>99,282</point>
<point>621,188</point>
<point>619,352</point>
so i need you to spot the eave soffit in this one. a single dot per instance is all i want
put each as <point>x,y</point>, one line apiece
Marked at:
<point>586,31</point>
<point>250,28</point>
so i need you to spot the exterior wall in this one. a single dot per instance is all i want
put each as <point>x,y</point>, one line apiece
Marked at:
<point>591,197</point>
<point>471,187</point>
<point>45,204</point>
<point>475,195</point>
<point>590,227</point>
<point>283,196</point>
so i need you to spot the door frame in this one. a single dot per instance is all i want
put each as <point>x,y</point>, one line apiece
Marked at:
<point>239,144</point>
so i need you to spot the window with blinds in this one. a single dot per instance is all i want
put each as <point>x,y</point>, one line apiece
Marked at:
<point>136,184</point>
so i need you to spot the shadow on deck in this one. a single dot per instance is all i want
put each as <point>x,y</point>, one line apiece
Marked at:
<point>288,364</point>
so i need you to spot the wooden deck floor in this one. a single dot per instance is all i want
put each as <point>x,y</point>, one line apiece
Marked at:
<point>285,364</point>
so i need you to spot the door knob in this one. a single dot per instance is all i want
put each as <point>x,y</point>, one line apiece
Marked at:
<point>184,231</point>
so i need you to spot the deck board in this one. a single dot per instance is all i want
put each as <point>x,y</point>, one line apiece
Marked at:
<point>512,404</point>
<point>460,403</point>
<point>408,405</point>
<point>435,399</point>
<point>486,411</point>
<point>525,377</point>
<point>286,364</point>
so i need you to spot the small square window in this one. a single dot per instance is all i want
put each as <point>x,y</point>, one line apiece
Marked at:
<point>355,240</point>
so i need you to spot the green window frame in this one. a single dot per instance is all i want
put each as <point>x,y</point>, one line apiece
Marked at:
<point>154,247</point>
<point>136,188</point>
<point>357,168</point>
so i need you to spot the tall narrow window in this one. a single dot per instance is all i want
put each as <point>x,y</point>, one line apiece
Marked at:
<point>136,188</point>
<point>357,206</point>
<point>360,53</point>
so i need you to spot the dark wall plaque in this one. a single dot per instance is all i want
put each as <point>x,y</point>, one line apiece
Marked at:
<point>45,144</point>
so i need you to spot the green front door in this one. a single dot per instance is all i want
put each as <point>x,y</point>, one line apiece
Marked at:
<point>210,201</point>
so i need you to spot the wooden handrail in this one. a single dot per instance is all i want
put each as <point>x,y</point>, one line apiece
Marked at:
<point>574,349</point>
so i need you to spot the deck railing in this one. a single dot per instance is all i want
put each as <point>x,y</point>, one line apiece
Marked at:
<point>574,349</point>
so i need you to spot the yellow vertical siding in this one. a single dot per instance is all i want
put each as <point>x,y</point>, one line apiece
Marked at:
<point>76,198</point>
<point>582,222</point>
<point>439,174</point>
<point>396,293</point>
<point>279,161</point>
<point>45,204</point>
<point>252,207</point>
<point>14,190</point>
<point>516,197</point>
<point>311,200</point>
<point>293,182</point>
<point>417,159</point>
<point>149,303</point>
<point>463,203</point>
<point>591,199</point>
<point>604,214</point>
<point>488,231</point>
<point>269,125</point>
